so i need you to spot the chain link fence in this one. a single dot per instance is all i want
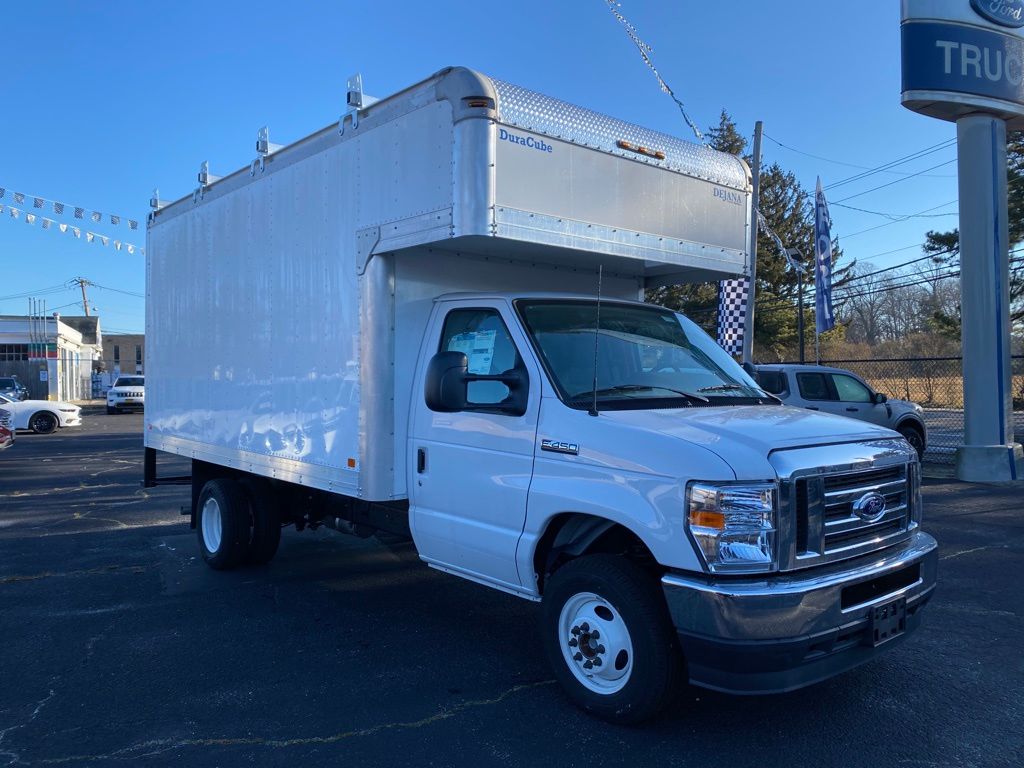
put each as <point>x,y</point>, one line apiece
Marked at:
<point>937,385</point>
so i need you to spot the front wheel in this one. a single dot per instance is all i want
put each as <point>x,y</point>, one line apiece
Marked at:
<point>610,640</point>
<point>916,439</point>
<point>43,423</point>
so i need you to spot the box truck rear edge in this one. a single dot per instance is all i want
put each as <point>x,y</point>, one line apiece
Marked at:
<point>425,320</point>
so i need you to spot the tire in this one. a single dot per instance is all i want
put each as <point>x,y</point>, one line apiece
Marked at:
<point>43,423</point>
<point>264,524</point>
<point>641,670</point>
<point>915,437</point>
<point>111,411</point>
<point>222,524</point>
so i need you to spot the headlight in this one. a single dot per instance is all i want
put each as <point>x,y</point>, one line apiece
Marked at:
<point>68,410</point>
<point>733,525</point>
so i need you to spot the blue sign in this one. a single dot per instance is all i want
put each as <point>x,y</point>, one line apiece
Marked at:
<point>1008,13</point>
<point>963,60</point>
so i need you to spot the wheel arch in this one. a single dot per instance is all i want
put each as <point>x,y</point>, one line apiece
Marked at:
<point>914,422</point>
<point>569,535</point>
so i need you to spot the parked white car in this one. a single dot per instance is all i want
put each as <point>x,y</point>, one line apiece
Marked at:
<point>41,416</point>
<point>127,394</point>
<point>844,393</point>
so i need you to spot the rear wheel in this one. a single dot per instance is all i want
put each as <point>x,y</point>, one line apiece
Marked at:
<point>610,640</point>
<point>915,437</point>
<point>222,523</point>
<point>43,423</point>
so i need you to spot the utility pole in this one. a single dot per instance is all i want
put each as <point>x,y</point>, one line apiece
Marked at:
<point>755,202</point>
<point>794,254</point>
<point>81,282</point>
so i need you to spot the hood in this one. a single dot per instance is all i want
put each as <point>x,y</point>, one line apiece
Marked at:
<point>744,436</point>
<point>50,404</point>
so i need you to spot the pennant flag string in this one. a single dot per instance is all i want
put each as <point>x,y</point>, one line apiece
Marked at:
<point>63,228</point>
<point>40,203</point>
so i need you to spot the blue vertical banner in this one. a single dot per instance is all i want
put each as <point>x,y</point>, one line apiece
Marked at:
<point>733,296</point>
<point>824,319</point>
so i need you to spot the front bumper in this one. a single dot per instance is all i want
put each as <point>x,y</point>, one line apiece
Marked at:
<point>74,420</point>
<point>784,632</point>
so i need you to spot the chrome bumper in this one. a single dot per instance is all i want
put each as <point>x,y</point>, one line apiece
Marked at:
<point>783,632</point>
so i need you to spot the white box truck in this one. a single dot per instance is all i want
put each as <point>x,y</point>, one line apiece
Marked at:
<point>426,319</point>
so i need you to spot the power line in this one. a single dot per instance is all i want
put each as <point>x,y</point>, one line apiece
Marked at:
<point>892,164</point>
<point>898,217</point>
<point>897,181</point>
<point>879,169</point>
<point>118,290</point>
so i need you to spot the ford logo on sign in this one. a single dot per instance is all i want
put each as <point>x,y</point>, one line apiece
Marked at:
<point>869,507</point>
<point>1008,13</point>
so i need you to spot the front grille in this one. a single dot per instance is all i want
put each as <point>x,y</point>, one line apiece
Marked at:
<point>830,526</point>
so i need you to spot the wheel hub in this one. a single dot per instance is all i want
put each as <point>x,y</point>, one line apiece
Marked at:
<point>596,643</point>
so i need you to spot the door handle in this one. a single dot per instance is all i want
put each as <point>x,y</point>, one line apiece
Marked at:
<point>421,460</point>
<point>853,410</point>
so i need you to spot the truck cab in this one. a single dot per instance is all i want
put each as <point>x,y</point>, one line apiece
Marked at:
<point>785,544</point>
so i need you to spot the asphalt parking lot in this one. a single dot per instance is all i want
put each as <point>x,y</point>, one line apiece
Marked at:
<point>121,647</point>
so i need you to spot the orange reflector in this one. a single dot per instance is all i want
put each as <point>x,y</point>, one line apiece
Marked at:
<point>623,144</point>
<point>351,463</point>
<point>707,519</point>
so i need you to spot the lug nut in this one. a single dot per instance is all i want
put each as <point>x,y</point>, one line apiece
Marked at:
<point>596,662</point>
<point>585,627</point>
<point>595,634</point>
<point>578,656</point>
<point>589,665</point>
<point>600,649</point>
<point>572,642</point>
<point>575,630</point>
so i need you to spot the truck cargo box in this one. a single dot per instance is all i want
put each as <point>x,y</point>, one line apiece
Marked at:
<point>286,302</point>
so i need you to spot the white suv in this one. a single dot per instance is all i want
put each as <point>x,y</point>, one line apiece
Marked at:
<point>834,390</point>
<point>127,394</point>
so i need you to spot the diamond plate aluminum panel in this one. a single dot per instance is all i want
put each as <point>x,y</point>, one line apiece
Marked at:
<point>534,111</point>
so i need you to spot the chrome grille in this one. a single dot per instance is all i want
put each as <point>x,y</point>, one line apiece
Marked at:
<point>827,524</point>
<point>844,529</point>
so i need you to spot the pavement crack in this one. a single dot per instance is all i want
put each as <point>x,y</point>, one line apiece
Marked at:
<point>962,552</point>
<point>73,574</point>
<point>154,746</point>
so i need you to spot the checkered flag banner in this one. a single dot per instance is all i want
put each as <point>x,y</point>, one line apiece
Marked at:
<point>79,211</point>
<point>732,313</point>
<point>63,228</point>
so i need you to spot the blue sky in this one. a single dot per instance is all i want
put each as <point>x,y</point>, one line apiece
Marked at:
<point>100,103</point>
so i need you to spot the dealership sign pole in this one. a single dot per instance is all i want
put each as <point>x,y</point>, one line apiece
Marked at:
<point>963,61</point>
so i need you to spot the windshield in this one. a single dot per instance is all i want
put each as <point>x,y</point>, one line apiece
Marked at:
<point>644,354</point>
<point>5,399</point>
<point>130,381</point>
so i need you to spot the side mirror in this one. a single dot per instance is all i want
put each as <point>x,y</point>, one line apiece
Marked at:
<point>445,390</point>
<point>447,384</point>
<point>879,398</point>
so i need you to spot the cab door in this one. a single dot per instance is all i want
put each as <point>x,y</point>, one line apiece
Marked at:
<point>854,398</point>
<point>470,472</point>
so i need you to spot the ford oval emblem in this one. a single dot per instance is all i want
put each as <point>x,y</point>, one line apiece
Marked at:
<point>1006,13</point>
<point>869,507</point>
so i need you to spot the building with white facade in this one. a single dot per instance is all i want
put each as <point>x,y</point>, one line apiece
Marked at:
<point>51,355</point>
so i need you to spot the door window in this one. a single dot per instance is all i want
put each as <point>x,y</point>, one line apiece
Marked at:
<point>773,382</point>
<point>850,390</point>
<point>813,386</point>
<point>483,337</point>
